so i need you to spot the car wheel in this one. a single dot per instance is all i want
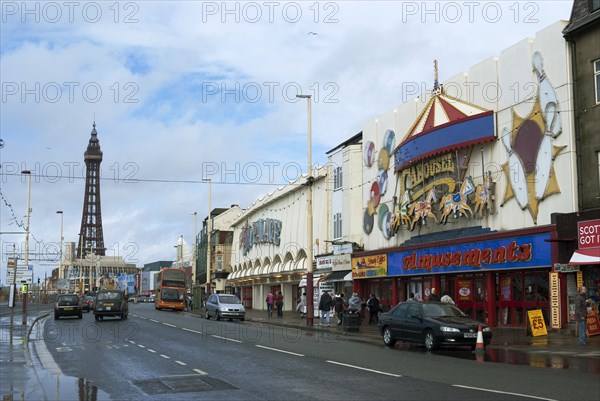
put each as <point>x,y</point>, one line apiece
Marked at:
<point>124,316</point>
<point>429,340</point>
<point>80,316</point>
<point>55,316</point>
<point>206,315</point>
<point>388,338</point>
<point>97,317</point>
<point>242,319</point>
<point>217,316</point>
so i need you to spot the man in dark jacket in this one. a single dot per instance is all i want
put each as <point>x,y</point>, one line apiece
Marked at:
<point>581,304</point>
<point>373,305</point>
<point>325,303</point>
<point>339,305</point>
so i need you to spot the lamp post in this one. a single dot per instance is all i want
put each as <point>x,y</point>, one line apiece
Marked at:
<point>208,233</point>
<point>25,293</point>
<point>194,261</point>
<point>309,224</point>
<point>61,273</point>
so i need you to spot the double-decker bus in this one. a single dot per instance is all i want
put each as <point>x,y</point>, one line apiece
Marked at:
<point>171,289</point>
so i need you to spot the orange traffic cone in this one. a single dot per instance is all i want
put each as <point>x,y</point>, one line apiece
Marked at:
<point>480,347</point>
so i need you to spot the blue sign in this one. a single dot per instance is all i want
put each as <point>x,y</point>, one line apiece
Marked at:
<point>526,251</point>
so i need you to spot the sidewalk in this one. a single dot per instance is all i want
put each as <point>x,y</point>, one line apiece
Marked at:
<point>556,342</point>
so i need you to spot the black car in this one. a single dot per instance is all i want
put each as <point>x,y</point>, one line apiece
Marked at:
<point>68,305</point>
<point>432,324</point>
<point>111,303</point>
<point>88,303</point>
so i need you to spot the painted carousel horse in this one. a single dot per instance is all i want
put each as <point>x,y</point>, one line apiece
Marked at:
<point>400,215</point>
<point>420,210</point>
<point>483,195</point>
<point>456,203</point>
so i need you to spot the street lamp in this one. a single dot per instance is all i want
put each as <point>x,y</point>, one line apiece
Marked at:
<point>309,229</point>
<point>61,273</point>
<point>25,293</point>
<point>194,262</point>
<point>208,232</point>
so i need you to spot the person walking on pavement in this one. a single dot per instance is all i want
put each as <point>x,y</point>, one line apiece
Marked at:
<point>270,301</point>
<point>411,297</point>
<point>279,304</point>
<point>447,299</point>
<point>581,304</point>
<point>373,305</point>
<point>339,305</point>
<point>325,303</point>
<point>433,296</point>
<point>302,306</point>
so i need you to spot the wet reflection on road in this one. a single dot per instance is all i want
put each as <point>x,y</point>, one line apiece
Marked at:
<point>582,360</point>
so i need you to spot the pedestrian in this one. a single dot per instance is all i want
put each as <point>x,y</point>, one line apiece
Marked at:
<point>433,296</point>
<point>270,302</point>
<point>374,308</point>
<point>581,304</point>
<point>447,299</point>
<point>339,305</point>
<point>302,306</point>
<point>325,304</point>
<point>355,302</point>
<point>279,304</point>
<point>411,297</point>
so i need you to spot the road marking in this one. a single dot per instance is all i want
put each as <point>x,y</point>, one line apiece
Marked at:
<point>169,324</point>
<point>278,350</point>
<point>181,363</point>
<point>151,350</point>
<point>154,320</point>
<point>141,346</point>
<point>367,369</point>
<point>201,372</point>
<point>165,356</point>
<point>503,392</point>
<point>193,331</point>
<point>225,338</point>
<point>133,342</point>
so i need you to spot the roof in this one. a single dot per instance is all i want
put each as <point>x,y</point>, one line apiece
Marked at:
<point>351,141</point>
<point>445,123</point>
<point>581,17</point>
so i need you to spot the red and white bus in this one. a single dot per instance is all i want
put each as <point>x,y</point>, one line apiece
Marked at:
<point>171,289</point>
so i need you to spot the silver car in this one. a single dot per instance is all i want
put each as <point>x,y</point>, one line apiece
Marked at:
<point>225,306</point>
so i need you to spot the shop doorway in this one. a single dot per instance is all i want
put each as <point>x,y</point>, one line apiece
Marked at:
<point>470,294</point>
<point>519,292</point>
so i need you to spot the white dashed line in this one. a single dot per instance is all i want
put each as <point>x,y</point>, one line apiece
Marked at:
<point>200,372</point>
<point>154,320</point>
<point>141,346</point>
<point>169,324</point>
<point>361,368</point>
<point>165,356</point>
<point>193,331</point>
<point>278,350</point>
<point>181,363</point>
<point>225,338</point>
<point>503,392</point>
<point>132,342</point>
<point>151,350</point>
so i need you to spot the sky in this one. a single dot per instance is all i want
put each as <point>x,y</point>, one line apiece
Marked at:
<point>186,90</point>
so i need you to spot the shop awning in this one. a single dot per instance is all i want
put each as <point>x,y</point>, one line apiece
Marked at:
<point>315,282</point>
<point>337,276</point>
<point>589,256</point>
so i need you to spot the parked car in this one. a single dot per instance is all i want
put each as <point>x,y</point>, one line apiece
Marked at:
<point>432,324</point>
<point>225,306</point>
<point>88,303</point>
<point>68,305</point>
<point>144,298</point>
<point>111,303</point>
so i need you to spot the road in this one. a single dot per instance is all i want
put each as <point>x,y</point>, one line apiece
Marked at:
<point>163,355</point>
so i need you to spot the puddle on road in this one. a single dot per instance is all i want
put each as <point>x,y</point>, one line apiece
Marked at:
<point>516,357</point>
<point>70,388</point>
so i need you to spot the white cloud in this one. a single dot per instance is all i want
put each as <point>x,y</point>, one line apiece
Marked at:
<point>163,116</point>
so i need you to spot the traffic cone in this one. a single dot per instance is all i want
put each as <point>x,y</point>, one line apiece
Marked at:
<point>479,348</point>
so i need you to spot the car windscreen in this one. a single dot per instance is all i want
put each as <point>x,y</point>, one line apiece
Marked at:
<point>229,299</point>
<point>102,296</point>
<point>68,298</point>
<point>441,310</point>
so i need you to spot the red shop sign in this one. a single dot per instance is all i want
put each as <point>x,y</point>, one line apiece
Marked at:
<point>588,234</point>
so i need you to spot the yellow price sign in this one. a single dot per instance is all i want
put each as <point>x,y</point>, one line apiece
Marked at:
<point>24,289</point>
<point>536,320</point>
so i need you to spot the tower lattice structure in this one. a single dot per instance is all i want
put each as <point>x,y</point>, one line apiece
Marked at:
<point>91,237</point>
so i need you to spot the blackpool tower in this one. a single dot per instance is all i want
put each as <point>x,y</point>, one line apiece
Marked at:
<point>91,238</point>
